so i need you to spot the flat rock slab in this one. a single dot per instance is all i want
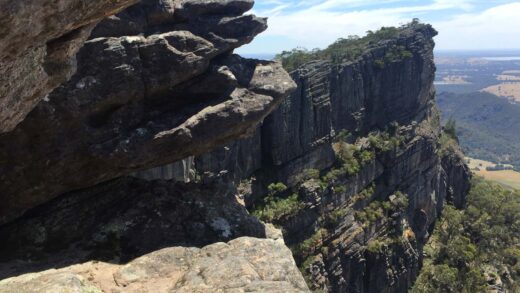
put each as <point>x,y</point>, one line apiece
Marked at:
<point>241,265</point>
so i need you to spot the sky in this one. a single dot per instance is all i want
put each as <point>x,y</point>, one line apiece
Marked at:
<point>462,24</point>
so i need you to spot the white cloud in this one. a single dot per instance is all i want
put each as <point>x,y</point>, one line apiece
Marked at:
<point>495,28</point>
<point>322,22</point>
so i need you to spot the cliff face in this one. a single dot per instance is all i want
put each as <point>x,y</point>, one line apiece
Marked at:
<point>155,83</point>
<point>85,177</point>
<point>358,230</point>
<point>139,101</point>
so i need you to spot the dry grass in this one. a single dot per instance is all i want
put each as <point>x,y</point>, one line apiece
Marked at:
<point>481,164</point>
<point>505,89</point>
<point>508,178</point>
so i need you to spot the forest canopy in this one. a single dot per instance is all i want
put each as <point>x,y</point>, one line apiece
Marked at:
<point>477,248</point>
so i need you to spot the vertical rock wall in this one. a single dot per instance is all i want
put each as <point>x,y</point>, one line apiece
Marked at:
<point>366,100</point>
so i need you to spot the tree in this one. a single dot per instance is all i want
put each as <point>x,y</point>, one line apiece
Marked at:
<point>451,128</point>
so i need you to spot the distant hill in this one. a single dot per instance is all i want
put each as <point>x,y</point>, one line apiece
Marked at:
<point>488,126</point>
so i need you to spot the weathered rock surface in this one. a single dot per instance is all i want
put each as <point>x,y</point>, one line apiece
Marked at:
<point>38,43</point>
<point>142,101</point>
<point>155,84</point>
<point>158,83</point>
<point>457,176</point>
<point>241,265</point>
<point>360,97</point>
<point>356,96</point>
<point>121,220</point>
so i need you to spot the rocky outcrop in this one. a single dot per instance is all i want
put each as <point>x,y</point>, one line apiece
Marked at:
<point>458,176</point>
<point>141,101</point>
<point>241,265</point>
<point>349,232</point>
<point>124,219</point>
<point>157,89</point>
<point>38,44</point>
<point>356,96</point>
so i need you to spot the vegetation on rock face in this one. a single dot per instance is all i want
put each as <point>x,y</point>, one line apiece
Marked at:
<point>378,245</point>
<point>476,248</point>
<point>308,174</point>
<point>349,49</point>
<point>377,210</point>
<point>354,156</point>
<point>275,206</point>
<point>449,141</point>
<point>396,53</point>
<point>451,129</point>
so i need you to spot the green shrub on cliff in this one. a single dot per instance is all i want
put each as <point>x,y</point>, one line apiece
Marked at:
<point>275,188</point>
<point>274,209</point>
<point>308,174</point>
<point>449,141</point>
<point>378,245</point>
<point>277,205</point>
<point>476,246</point>
<point>451,129</point>
<point>345,50</point>
<point>309,245</point>
<point>378,209</point>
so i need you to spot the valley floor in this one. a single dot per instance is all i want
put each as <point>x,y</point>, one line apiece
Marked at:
<point>507,178</point>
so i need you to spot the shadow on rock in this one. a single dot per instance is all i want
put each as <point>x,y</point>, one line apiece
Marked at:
<point>121,220</point>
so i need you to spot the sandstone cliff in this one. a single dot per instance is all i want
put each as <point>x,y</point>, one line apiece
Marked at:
<point>349,164</point>
<point>359,207</point>
<point>154,84</point>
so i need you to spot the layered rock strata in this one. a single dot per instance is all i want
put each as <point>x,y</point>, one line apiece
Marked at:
<point>158,83</point>
<point>155,84</point>
<point>349,231</point>
<point>121,220</point>
<point>172,91</point>
<point>38,44</point>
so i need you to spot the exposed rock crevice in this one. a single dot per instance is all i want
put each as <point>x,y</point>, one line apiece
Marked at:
<point>241,265</point>
<point>138,102</point>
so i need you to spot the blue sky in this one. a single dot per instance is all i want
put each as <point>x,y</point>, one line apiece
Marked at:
<point>462,24</point>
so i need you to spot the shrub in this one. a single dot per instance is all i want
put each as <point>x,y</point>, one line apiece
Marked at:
<point>275,188</point>
<point>342,136</point>
<point>345,50</point>
<point>332,176</point>
<point>378,210</point>
<point>340,189</point>
<point>366,157</point>
<point>379,63</point>
<point>333,218</point>
<point>376,246</point>
<point>365,193</point>
<point>274,209</point>
<point>308,174</point>
<point>450,129</point>
<point>311,244</point>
